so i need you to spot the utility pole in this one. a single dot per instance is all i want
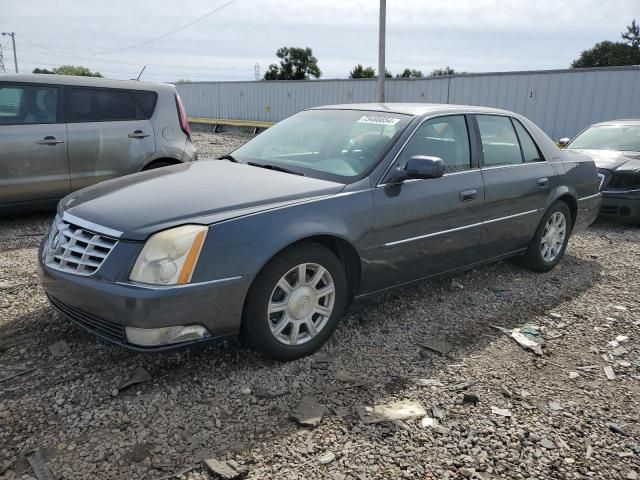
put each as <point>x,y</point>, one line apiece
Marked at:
<point>381,37</point>
<point>13,41</point>
<point>1,60</point>
<point>256,71</point>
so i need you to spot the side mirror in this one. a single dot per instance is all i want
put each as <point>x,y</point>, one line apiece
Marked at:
<point>563,142</point>
<point>422,166</point>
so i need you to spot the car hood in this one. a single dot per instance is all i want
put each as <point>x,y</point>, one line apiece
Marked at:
<point>202,192</point>
<point>614,161</point>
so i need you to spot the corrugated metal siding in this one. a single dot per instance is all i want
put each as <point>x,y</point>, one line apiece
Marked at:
<point>561,102</point>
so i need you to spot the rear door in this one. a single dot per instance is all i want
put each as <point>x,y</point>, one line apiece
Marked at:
<point>109,135</point>
<point>33,143</point>
<point>424,227</point>
<point>518,180</point>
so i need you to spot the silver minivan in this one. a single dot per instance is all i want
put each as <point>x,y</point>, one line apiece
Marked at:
<point>62,133</point>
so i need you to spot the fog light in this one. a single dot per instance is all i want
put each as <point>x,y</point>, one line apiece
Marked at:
<point>152,337</point>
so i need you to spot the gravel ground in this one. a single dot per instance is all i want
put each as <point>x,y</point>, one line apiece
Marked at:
<point>225,402</point>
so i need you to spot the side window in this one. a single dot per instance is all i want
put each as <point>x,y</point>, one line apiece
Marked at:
<point>444,137</point>
<point>530,151</point>
<point>499,141</point>
<point>98,105</point>
<point>147,102</point>
<point>28,105</point>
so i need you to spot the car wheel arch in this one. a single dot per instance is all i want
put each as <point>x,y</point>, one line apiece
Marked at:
<point>159,161</point>
<point>343,249</point>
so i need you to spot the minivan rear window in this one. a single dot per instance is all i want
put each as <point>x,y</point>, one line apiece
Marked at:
<point>101,105</point>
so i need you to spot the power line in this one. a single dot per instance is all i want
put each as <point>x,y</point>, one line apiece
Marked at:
<point>135,45</point>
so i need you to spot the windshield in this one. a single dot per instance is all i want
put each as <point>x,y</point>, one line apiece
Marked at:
<point>337,145</point>
<point>624,138</point>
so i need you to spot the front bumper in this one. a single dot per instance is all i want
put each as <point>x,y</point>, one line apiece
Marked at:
<point>620,208</point>
<point>105,308</point>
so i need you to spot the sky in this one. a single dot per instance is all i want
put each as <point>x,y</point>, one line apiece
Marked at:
<point>468,35</point>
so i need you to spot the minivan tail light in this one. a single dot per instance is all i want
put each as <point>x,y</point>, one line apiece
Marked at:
<point>184,125</point>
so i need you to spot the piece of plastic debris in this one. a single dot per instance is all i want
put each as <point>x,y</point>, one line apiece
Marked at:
<point>608,371</point>
<point>503,412</point>
<point>428,382</point>
<point>392,411</point>
<point>59,349</point>
<point>615,428</point>
<point>428,422</point>
<point>622,338</point>
<point>222,469</point>
<point>528,337</point>
<point>140,375</point>
<point>327,458</point>
<point>308,412</point>
<point>39,466</point>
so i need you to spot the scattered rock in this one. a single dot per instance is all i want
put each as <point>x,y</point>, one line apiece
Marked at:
<point>503,412</point>
<point>615,428</point>
<point>470,399</point>
<point>327,458</point>
<point>573,375</point>
<point>428,422</point>
<point>548,444</point>
<point>308,412</point>
<point>608,371</point>
<point>428,382</point>
<point>59,349</point>
<point>463,386</point>
<point>222,469</point>
<point>343,376</point>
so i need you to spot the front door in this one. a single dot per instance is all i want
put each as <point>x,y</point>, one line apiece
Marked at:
<point>33,143</point>
<point>518,181</point>
<point>424,227</point>
<point>108,135</point>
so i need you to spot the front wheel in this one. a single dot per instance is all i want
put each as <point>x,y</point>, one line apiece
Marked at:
<point>295,303</point>
<point>551,239</point>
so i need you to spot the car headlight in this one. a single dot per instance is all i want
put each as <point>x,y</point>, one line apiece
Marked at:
<point>170,257</point>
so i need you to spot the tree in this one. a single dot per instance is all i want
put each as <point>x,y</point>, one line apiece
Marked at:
<point>295,64</point>
<point>78,70</point>
<point>632,35</point>
<point>443,72</point>
<point>608,54</point>
<point>387,74</point>
<point>362,72</point>
<point>410,73</point>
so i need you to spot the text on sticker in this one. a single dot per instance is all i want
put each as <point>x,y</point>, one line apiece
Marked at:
<point>379,120</point>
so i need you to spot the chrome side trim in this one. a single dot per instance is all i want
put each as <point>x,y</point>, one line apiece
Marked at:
<point>523,164</point>
<point>614,192</point>
<point>590,197</point>
<point>457,229</point>
<point>443,232</point>
<point>149,286</point>
<point>109,232</point>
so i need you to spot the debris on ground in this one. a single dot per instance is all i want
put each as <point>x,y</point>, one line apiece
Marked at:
<point>308,412</point>
<point>463,386</point>
<point>548,444</point>
<point>223,469</point>
<point>615,428</point>
<point>470,399</point>
<point>40,467</point>
<point>139,375</point>
<point>393,411</point>
<point>503,412</point>
<point>528,337</point>
<point>608,371</point>
<point>440,347</point>
<point>456,285</point>
<point>428,422</point>
<point>320,361</point>
<point>428,382</point>
<point>59,349</point>
<point>327,458</point>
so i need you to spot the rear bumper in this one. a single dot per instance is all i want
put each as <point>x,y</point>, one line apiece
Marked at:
<point>615,207</point>
<point>106,308</point>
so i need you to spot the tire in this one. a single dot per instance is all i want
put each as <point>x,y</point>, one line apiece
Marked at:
<point>154,165</point>
<point>543,258</point>
<point>281,323</point>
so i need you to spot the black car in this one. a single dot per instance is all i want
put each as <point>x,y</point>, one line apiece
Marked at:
<point>615,147</point>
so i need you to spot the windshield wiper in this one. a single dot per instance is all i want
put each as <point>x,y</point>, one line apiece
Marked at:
<point>229,157</point>
<point>269,166</point>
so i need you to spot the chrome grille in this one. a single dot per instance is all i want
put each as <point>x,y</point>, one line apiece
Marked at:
<point>73,249</point>
<point>602,178</point>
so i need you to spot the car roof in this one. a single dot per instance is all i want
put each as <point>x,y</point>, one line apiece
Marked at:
<point>414,109</point>
<point>81,81</point>
<point>621,121</point>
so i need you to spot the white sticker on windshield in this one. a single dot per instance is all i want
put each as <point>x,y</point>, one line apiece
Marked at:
<point>378,120</point>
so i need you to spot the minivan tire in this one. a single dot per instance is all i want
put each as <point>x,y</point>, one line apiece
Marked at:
<point>260,325</point>
<point>534,259</point>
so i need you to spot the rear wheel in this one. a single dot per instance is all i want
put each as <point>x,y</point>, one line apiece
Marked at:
<point>550,241</point>
<point>295,303</point>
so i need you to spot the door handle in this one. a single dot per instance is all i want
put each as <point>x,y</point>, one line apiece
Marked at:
<point>543,182</point>
<point>49,140</point>
<point>138,134</point>
<point>468,195</point>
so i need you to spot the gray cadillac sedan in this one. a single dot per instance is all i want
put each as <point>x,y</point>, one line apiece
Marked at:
<point>331,204</point>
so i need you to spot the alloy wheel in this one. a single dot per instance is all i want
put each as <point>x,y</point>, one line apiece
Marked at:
<point>553,237</point>
<point>301,304</point>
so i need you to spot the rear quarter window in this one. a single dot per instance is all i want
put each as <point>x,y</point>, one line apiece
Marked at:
<point>147,102</point>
